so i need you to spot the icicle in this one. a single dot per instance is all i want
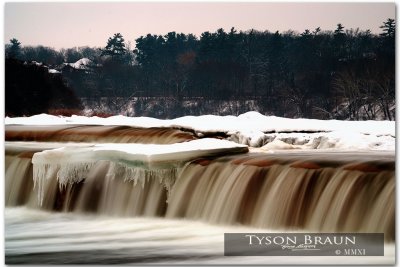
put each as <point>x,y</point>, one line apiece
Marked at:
<point>70,173</point>
<point>67,173</point>
<point>168,180</point>
<point>74,172</point>
<point>142,175</point>
<point>42,173</point>
<point>122,171</point>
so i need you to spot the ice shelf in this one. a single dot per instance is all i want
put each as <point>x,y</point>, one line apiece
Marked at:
<point>137,162</point>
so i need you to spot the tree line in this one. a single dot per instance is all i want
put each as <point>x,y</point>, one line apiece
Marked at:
<point>342,74</point>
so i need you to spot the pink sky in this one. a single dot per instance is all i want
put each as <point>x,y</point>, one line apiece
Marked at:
<point>67,25</point>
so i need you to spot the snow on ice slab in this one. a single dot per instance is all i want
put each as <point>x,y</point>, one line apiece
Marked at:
<point>250,121</point>
<point>250,128</point>
<point>149,153</point>
<point>41,119</point>
<point>136,162</point>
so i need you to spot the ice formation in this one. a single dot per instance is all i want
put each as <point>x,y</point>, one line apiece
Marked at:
<point>136,162</point>
<point>166,176</point>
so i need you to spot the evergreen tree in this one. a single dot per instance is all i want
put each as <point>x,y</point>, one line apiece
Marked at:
<point>115,48</point>
<point>339,29</point>
<point>14,49</point>
<point>388,28</point>
<point>317,30</point>
<point>339,42</point>
<point>387,40</point>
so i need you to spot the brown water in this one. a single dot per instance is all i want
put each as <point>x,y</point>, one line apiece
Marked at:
<point>95,134</point>
<point>277,193</point>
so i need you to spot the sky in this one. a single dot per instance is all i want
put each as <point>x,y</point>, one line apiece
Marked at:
<point>74,24</point>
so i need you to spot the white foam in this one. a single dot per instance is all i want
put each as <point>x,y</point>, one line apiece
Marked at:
<point>151,239</point>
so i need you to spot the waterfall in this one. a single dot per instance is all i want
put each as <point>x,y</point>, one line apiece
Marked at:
<point>282,195</point>
<point>318,192</point>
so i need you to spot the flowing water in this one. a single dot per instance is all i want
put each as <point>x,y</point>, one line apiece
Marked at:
<point>179,214</point>
<point>40,237</point>
<point>95,134</point>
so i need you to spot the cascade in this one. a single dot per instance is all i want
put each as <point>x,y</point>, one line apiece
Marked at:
<point>267,192</point>
<point>224,185</point>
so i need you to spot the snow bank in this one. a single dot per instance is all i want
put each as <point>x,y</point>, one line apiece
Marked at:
<point>211,123</point>
<point>250,128</point>
<point>81,64</point>
<point>54,71</point>
<point>338,140</point>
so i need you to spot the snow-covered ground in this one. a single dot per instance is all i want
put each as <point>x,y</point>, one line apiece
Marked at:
<point>254,129</point>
